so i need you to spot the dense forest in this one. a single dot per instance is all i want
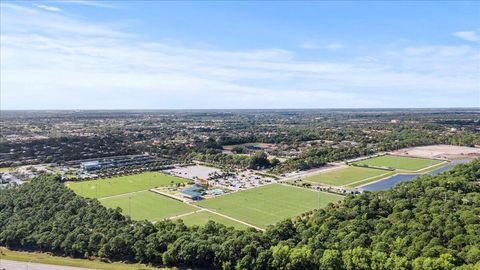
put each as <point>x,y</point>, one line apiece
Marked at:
<point>432,222</point>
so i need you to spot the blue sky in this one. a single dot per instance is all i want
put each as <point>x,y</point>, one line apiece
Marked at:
<point>213,55</point>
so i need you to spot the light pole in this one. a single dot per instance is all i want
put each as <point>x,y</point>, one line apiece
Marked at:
<point>130,206</point>
<point>318,197</point>
<point>318,192</point>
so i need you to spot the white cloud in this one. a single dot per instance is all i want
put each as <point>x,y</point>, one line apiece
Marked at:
<point>50,60</point>
<point>48,8</point>
<point>332,46</point>
<point>468,35</point>
<point>101,4</point>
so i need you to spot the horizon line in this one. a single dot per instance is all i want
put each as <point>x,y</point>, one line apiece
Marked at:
<point>247,109</point>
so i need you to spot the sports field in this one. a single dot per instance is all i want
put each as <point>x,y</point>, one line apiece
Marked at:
<point>347,176</point>
<point>123,184</point>
<point>6,169</point>
<point>268,204</point>
<point>398,162</point>
<point>147,205</point>
<point>202,217</point>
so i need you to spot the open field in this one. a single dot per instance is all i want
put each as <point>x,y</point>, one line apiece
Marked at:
<point>202,217</point>
<point>123,184</point>
<point>440,151</point>
<point>147,205</point>
<point>399,162</point>
<point>347,176</point>
<point>6,169</point>
<point>268,204</point>
<point>45,258</point>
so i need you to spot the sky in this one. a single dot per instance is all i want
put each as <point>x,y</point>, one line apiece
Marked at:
<point>82,54</point>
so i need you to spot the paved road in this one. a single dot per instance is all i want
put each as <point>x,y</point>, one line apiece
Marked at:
<point>303,174</point>
<point>14,265</point>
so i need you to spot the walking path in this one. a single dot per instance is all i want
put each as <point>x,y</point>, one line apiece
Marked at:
<point>14,265</point>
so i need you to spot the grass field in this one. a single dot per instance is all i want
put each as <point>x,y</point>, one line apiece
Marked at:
<point>202,217</point>
<point>45,258</point>
<point>398,162</point>
<point>347,176</point>
<point>6,169</point>
<point>123,184</point>
<point>147,205</point>
<point>268,204</point>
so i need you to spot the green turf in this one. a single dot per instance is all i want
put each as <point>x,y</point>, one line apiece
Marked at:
<point>268,204</point>
<point>6,169</point>
<point>398,162</point>
<point>346,176</point>
<point>202,217</point>
<point>123,184</point>
<point>147,205</point>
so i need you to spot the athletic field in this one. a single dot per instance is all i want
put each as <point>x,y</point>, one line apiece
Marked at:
<point>347,176</point>
<point>122,184</point>
<point>147,205</point>
<point>269,204</point>
<point>202,217</point>
<point>398,162</point>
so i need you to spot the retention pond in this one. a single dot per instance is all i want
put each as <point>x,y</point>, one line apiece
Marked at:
<point>393,180</point>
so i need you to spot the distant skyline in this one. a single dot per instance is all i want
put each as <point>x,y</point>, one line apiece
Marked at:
<point>239,55</point>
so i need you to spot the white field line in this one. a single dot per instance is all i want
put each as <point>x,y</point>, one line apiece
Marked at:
<point>121,195</point>
<point>313,190</point>
<point>401,154</point>
<point>231,218</point>
<point>186,214</point>
<point>426,169</point>
<point>311,173</point>
<point>371,177</point>
<point>168,195</point>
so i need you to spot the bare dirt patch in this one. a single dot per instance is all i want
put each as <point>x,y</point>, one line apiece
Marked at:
<point>441,151</point>
<point>194,172</point>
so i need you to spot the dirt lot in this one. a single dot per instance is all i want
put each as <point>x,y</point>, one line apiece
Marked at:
<point>449,152</point>
<point>192,172</point>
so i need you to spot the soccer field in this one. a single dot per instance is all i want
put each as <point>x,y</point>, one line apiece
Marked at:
<point>268,204</point>
<point>398,162</point>
<point>147,205</point>
<point>122,184</point>
<point>347,176</point>
<point>202,217</point>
